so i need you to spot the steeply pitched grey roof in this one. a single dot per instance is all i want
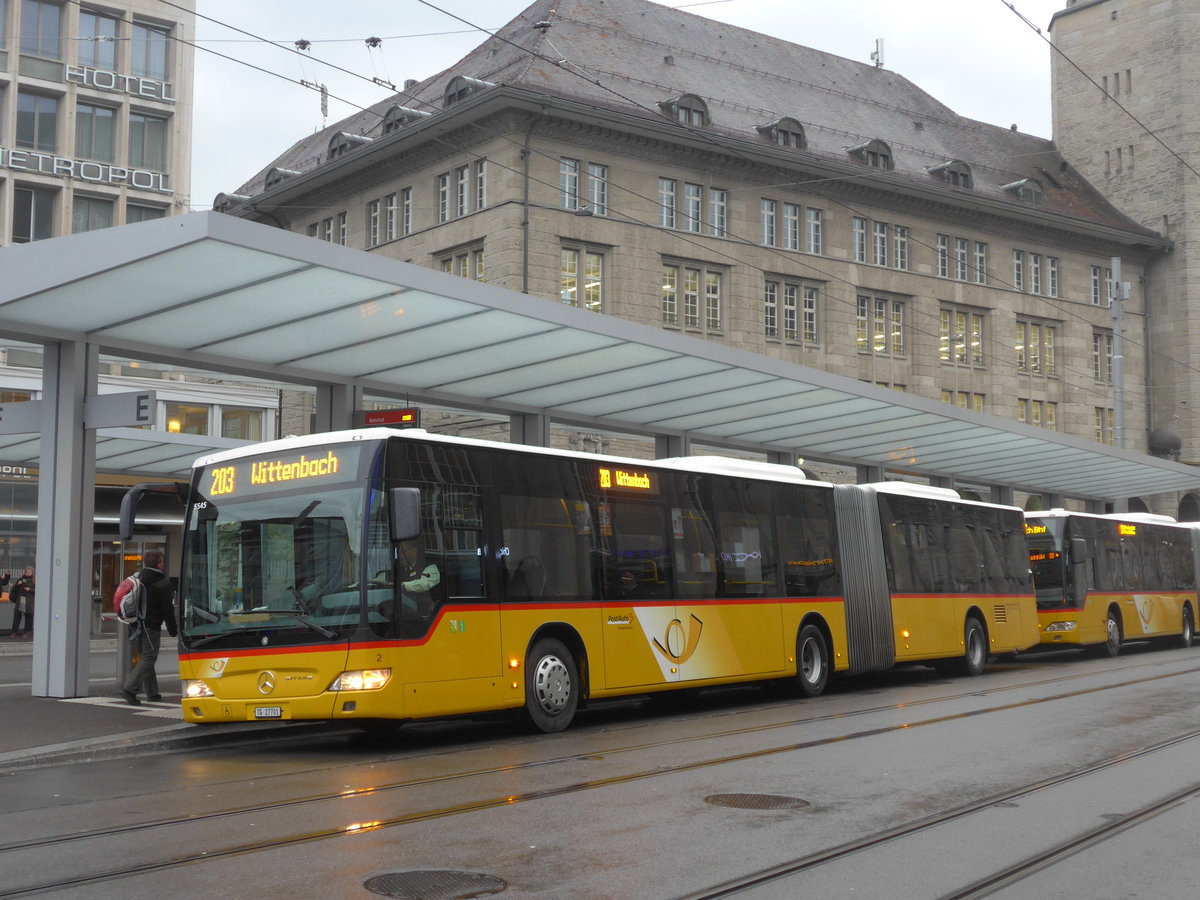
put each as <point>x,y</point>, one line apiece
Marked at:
<point>630,55</point>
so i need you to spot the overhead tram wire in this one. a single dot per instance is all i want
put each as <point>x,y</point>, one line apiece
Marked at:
<point>1004,358</point>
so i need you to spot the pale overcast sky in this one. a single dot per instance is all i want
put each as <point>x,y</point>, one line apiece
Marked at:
<point>976,56</point>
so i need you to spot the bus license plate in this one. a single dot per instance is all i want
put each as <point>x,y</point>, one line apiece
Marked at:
<point>268,712</point>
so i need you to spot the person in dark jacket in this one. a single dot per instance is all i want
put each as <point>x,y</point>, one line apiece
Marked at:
<point>160,609</point>
<point>21,596</point>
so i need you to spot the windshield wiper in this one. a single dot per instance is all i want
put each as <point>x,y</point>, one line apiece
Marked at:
<point>305,621</point>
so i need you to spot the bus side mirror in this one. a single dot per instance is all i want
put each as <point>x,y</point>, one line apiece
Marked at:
<point>1079,551</point>
<point>129,502</point>
<point>405,513</point>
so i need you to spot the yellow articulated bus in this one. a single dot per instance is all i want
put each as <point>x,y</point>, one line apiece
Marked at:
<point>387,575</point>
<point>1103,580</point>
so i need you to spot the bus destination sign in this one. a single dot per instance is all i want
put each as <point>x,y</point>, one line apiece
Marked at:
<point>291,470</point>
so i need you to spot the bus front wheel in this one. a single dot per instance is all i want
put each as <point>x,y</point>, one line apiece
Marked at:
<point>1112,628</point>
<point>1188,630</point>
<point>975,649</point>
<point>812,662</point>
<point>551,686</point>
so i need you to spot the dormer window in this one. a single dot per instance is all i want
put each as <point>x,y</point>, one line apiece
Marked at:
<point>1027,190</point>
<point>955,172</point>
<point>225,202</point>
<point>399,116</point>
<point>688,109</point>
<point>342,143</point>
<point>875,153</point>
<point>460,87</point>
<point>277,175</point>
<point>785,132</point>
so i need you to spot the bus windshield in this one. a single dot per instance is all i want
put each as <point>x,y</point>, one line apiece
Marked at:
<point>1047,563</point>
<point>272,564</point>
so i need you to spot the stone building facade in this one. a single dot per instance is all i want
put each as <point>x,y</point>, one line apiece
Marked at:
<point>641,162</point>
<point>1126,102</point>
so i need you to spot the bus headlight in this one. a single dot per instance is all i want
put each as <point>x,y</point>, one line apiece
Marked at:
<point>1061,626</point>
<point>361,680</point>
<point>193,690</point>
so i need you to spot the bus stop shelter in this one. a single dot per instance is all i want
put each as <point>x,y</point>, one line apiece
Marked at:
<point>245,300</point>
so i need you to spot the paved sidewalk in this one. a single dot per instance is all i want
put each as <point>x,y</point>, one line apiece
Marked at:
<point>43,731</point>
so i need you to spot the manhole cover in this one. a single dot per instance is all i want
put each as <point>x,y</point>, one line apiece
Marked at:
<point>755,801</point>
<point>435,884</point>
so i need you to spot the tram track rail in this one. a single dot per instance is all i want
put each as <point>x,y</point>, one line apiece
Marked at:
<point>59,842</point>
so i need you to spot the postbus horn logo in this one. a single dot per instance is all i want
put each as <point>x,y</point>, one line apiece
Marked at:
<point>677,645</point>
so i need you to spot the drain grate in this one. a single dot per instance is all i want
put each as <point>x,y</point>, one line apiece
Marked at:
<point>755,801</point>
<point>435,884</point>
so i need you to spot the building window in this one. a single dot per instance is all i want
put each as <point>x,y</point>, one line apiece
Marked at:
<point>389,217</point>
<point>980,262</point>
<point>443,195</point>
<point>1035,346</point>
<point>597,189</point>
<point>900,240</point>
<point>147,142</point>
<point>786,132</point>
<point>568,184</point>
<point>697,291</point>
<point>327,229</point>
<point>766,218</point>
<point>186,418</point>
<point>688,109</point>
<point>91,214</point>
<point>880,325</point>
<point>943,256</point>
<point>964,400</point>
<point>1105,428</point>
<point>718,212</point>
<point>1102,356</point>
<point>37,122</point>
<point>961,336</point>
<point>97,40</point>
<point>466,262</point>
<point>406,211</point>
<point>462,191</point>
<point>875,153</point>
<point>33,215</point>
<point>582,278</point>
<point>1101,286</point>
<point>135,212</point>
<point>879,247</point>
<point>1051,276</point>
<point>1039,413</point>
<point>960,258</point>
<point>241,424</point>
<point>666,202</point>
<point>798,303</point>
<point>791,226</point>
<point>149,51</point>
<point>374,218</point>
<point>693,205</point>
<point>860,239</point>
<point>41,29</point>
<point>94,132</point>
<point>341,228</point>
<point>956,173</point>
<point>1019,270</point>
<point>480,183</point>
<point>813,240</point>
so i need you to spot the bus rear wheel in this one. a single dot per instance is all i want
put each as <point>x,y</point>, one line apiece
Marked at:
<point>975,649</point>
<point>812,662</point>
<point>551,686</point>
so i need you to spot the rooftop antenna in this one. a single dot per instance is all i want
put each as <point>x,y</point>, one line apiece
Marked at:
<point>877,56</point>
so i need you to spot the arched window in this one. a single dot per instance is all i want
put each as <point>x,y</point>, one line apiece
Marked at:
<point>277,175</point>
<point>1027,189</point>
<point>875,153</point>
<point>460,87</point>
<point>399,116</point>
<point>954,172</point>
<point>1189,507</point>
<point>686,108</point>
<point>342,143</point>
<point>225,202</point>
<point>786,132</point>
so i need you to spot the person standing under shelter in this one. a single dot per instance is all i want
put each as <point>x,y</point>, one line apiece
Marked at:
<point>21,597</point>
<point>160,608</point>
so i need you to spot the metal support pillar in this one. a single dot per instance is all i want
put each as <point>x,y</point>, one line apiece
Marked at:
<point>336,405</point>
<point>670,446</point>
<point>869,474</point>
<point>66,506</point>
<point>1003,494</point>
<point>529,428</point>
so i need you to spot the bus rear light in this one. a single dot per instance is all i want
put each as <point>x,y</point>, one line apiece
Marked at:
<point>361,680</point>
<point>193,690</point>
<point>1061,626</point>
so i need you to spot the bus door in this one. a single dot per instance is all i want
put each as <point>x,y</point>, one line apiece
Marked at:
<point>728,615</point>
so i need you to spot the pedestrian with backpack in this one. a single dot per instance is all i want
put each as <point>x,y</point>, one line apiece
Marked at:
<point>155,607</point>
<point>21,597</point>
